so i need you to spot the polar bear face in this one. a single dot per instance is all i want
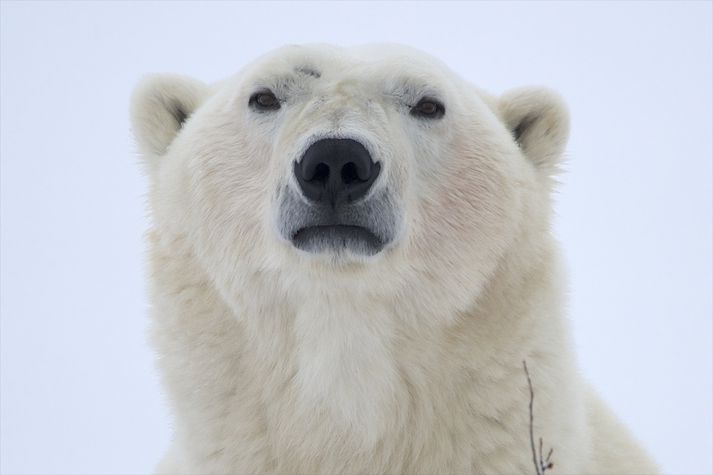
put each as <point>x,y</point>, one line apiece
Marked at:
<point>372,173</point>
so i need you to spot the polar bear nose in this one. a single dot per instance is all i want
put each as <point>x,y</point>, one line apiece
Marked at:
<point>336,171</point>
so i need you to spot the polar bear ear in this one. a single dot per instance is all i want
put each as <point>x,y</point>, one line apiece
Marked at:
<point>539,122</point>
<point>160,105</point>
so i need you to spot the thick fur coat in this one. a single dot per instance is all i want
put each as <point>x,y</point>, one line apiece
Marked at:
<point>407,360</point>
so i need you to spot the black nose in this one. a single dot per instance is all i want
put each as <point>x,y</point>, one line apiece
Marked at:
<point>336,171</point>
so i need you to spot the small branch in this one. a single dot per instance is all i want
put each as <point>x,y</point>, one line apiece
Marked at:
<point>532,437</point>
<point>540,453</point>
<point>549,456</point>
<point>541,466</point>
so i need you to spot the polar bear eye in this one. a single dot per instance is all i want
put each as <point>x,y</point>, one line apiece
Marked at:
<point>264,101</point>
<point>428,109</point>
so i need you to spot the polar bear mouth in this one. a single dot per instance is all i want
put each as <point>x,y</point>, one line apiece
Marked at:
<point>336,237</point>
<point>366,227</point>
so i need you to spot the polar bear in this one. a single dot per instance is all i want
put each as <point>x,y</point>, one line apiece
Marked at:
<point>350,260</point>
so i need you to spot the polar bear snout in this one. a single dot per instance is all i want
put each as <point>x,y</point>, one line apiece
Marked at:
<point>338,201</point>
<point>335,171</point>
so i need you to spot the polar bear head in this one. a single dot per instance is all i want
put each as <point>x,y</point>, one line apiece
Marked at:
<point>372,173</point>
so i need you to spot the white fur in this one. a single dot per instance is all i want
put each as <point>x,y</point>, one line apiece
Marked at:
<point>280,361</point>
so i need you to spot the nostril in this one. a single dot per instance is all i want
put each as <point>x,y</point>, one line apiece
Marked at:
<point>321,173</point>
<point>350,173</point>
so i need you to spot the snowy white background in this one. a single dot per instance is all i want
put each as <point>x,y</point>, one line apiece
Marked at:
<point>79,389</point>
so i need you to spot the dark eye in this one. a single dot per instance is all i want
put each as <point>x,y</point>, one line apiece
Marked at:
<point>264,101</point>
<point>428,109</point>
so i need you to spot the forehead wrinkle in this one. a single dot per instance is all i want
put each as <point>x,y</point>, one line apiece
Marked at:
<point>308,71</point>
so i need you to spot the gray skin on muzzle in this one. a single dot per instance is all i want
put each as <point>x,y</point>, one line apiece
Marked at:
<point>365,227</point>
<point>336,202</point>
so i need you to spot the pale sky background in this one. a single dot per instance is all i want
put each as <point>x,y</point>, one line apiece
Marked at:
<point>79,392</point>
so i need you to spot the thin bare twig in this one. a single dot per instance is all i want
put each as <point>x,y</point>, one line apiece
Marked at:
<point>540,453</point>
<point>541,466</point>
<point>532,437</point>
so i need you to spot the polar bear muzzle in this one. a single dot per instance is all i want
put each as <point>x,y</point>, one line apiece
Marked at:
<point>335,206</point>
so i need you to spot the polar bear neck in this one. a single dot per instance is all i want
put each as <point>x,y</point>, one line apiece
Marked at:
<point>304,376</point>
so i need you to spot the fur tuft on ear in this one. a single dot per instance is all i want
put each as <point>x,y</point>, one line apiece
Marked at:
<point>161,103</point>
<point>539,122</point>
